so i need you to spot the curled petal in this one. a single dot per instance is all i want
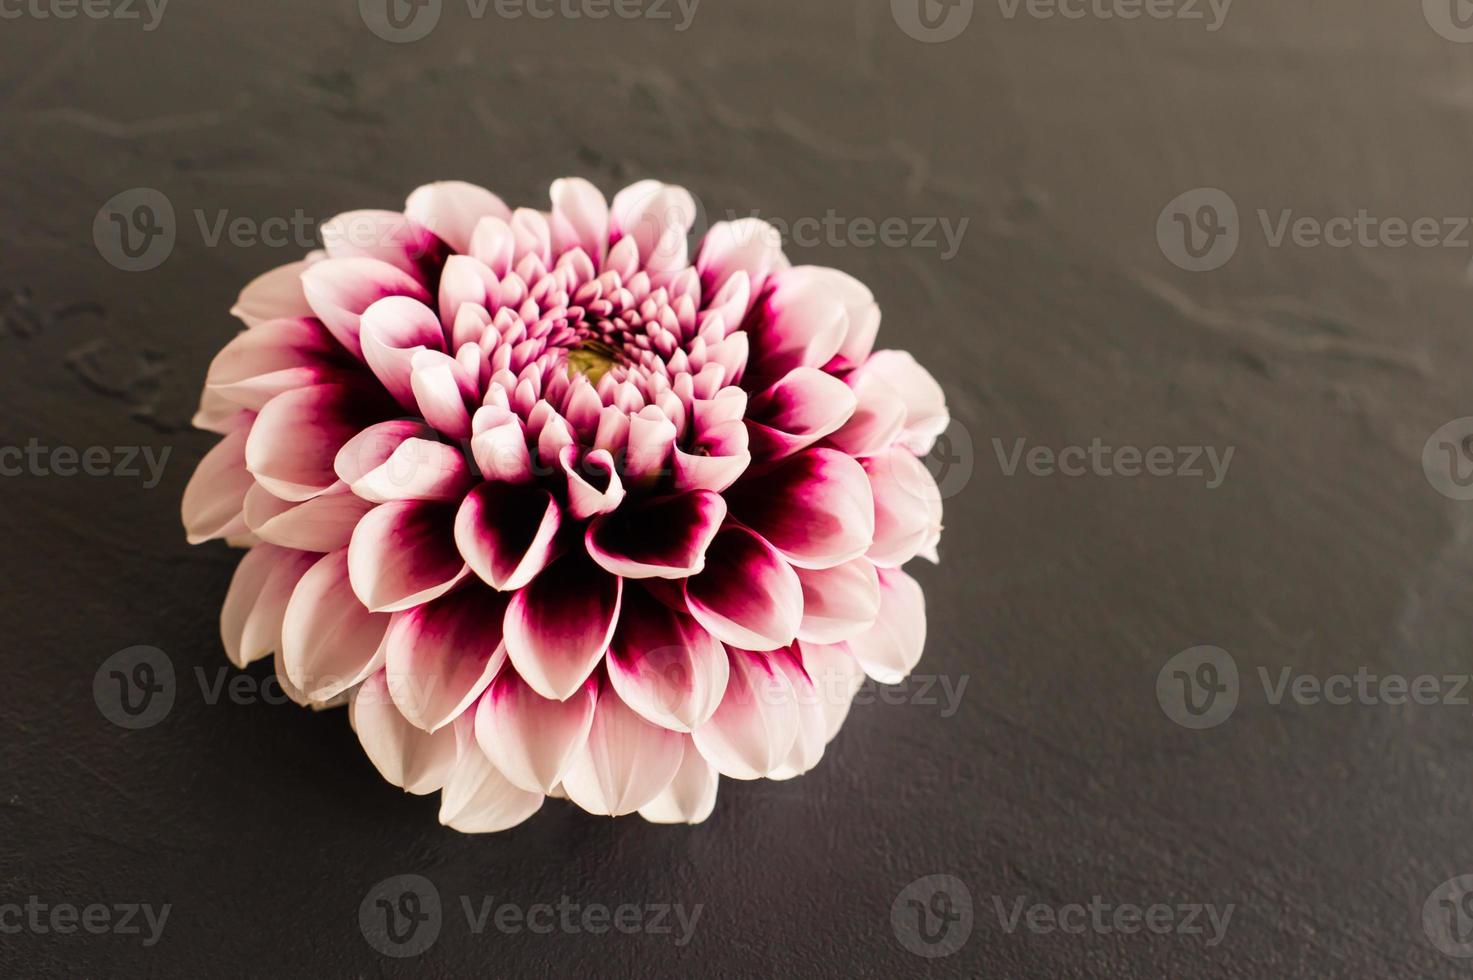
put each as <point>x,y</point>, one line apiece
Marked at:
<point>752,732</point>
<point>477,798</point>
<point>662,538</point>
<point>889,650</point>
<point>452,208</point>
<point>340,290</point>
<point>532,739</point>
<point>802,323</point>
<point>718,458</point>
<point>559,626</point>
<point>691,795</point>
<point>411,758</point>
<point>416,469</point>
<point>329,642</point>
<point>403,553</point>
<point>500,447</point>
<point>658,217</point>
<point>815,507</point>
<point>215,497</point>
<point>250,619</point>
<point>594,486</point>
<point>506,532</point>
<point>273,295</point>
<point>440,656</point>
<point>839,603</point>
<point>392,331</point>
<point>664,665</point>
<point>907,507</point>
<point>748,596</point>
<point>624,763</point>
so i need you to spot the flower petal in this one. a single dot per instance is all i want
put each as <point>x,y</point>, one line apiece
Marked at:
<point>250,619</point>
<point>294,442</point>
<point>276,356</point>
<point>441,655</point>
<point>415,760</point>
<point>215,497</point>
<point>749,245</point>
<point>452,208</point>
<point>812,733</point>
<point>580,218</point>
<point>840,602</point>
<point>340,290</point>
<point>907,507</point>
<point>273,295</point>
<point>625,763</point>
<point>752,732</point>
<point>797,411</point>
<point>926,416</point>
<point>322,524</point>
<point>558,626</point>
<point>477,798</point>
<point>890,649</point>
<point>691,795</point>
<point>392,331</point>
<point>662,538</point>
<point>664,665</point>
<point>837,677</point>
<point>329,642</point>
<point>403,554</point>
<point>748,596</point>
<point>532,739</point>
<point>506,532</point>
<point>815,507</point>
<point>387,236</point>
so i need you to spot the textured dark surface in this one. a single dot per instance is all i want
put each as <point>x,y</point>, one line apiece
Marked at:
<point>1058,777</point>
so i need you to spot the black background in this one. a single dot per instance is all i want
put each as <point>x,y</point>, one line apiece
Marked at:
<point>1059,777</point>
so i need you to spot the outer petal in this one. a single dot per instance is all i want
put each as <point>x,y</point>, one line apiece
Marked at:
<point>273,295</point>
<point>477,798</point>
<point>748,595</point>
<point>322,524</point>
<point>415,760</point>
<point>440,656</point>
<point>907,507</point>
<point>797,411</point>
<point>925,403</point>
<point>250,619</point>
<point>340,290</point>
<point>276,356</point>
<point>890,649</point>
<point>625,763</point>
<point>802,323</point>
<point>532,739</point>
<point>215,497</point>
<point>329,642</point>
<point>452,208</point>
<point>664,538</point>
<point>403,554</point>
<point>558,627</point>
<point>384,235</point>
<point>691,795</point>
<point>295,440</point>
<point>812,734</point>
<point>664,665</point>
<point>750,246</point>
<point>840,602</point>
<point>752,732</point>
<point>815,507</point>
<point>506,532</point>
<point>580,218</point>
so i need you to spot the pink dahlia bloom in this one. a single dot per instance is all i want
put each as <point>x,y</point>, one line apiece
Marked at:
<point>557,512</point>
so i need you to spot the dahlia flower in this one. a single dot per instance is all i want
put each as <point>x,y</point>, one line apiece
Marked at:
<point>558,512</point>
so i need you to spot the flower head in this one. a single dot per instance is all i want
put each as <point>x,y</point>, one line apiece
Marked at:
<point>558,511</point>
